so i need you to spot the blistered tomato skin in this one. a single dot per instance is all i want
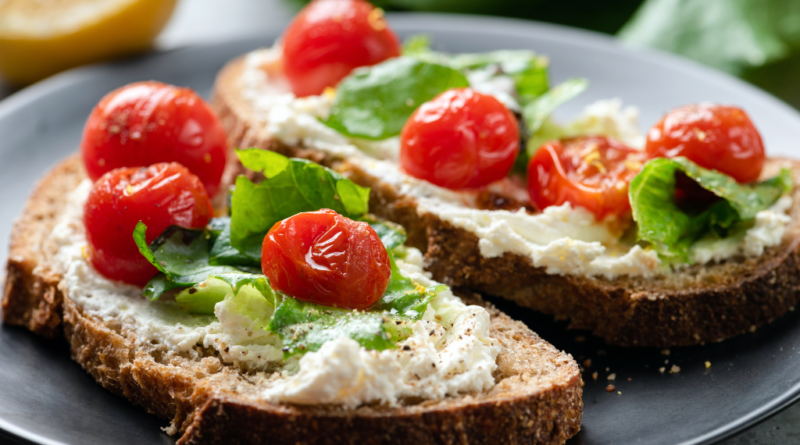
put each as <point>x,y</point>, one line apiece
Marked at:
<point>460,139</point>
<point>592,172</point>
<point>330,38</point>
<point>160,195</point>
<point>716,137</point>
<point>146,123</point>
<point>325,258</point>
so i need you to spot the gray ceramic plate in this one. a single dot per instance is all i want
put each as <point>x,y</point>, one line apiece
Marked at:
<point>46,398</point>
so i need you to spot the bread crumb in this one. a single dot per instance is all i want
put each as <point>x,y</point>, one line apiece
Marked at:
<point>661,369</point>
<point>587,363</point>
<point>752,328</point>
<point>594,375</point>
<point>665,352</point>
<point>612,377</point>
<point>666,362</point>
<point>610,388</point>
<point>675,369</point>
<point>608,369</point>
<point>580,339</point>
<point>708,364</point>
<point>619,393</point>
<point>171,429</point>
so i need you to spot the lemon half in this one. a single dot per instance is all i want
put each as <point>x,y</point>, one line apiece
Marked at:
<point>42,37</point>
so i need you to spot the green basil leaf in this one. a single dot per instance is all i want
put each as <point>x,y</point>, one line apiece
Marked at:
<point>670,229</point>
<point>181,255</point>
<point>375,102</point>
<point>290,186</point>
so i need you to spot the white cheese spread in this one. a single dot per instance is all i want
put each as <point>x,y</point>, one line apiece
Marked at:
<point>562,239</point>
<point>768,229</point>
<point>450,352</point>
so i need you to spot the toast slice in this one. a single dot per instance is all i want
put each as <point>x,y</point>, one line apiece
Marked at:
<point>697,305</point>
<point>536,398</point>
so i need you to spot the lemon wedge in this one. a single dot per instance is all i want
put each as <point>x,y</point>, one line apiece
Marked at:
<point>42,37</point>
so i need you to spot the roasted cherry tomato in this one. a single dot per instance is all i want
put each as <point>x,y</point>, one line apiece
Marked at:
<point>330,38</point>
<point>591,172</point>
<point>160,195</point>
<point>149,122</point>
<point>460,139</point>
<point>712,136</point>
<point>325,258</point>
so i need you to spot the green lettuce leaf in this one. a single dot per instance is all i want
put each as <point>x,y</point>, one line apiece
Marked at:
<point>670,228</point>
<point>202,297</point>
<point>290,186</point>
<point>375,102</point>
<point>181,255</point>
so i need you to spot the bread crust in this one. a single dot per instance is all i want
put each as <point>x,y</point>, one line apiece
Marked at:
<point>30,294</point>
<point>701,304</point>
<point>537,398</point>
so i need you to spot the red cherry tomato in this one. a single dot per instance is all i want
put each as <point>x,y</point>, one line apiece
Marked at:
<point>330,38</point>
<point>460,139</point>
<point>712,136</point>
<point>591,172</point>
<point>325,258</point>
<point>149,122</point>
<point>160,195</point>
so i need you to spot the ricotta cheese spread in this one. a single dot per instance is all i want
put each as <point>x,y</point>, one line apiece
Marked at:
<point>562,239</point>
<point>450,352</point>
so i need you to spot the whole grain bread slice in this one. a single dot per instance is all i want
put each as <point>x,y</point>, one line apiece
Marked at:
<point>697,305</point>
<point>536,399</point>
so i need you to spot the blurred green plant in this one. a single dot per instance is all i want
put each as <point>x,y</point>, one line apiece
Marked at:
<point>731,35</point>
<point>758,40</point>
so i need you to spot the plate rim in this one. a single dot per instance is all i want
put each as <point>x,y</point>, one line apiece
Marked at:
<point>458,22</point>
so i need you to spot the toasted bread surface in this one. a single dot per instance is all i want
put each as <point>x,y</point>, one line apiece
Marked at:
<point>700,304</point>
<point>536,399</point>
